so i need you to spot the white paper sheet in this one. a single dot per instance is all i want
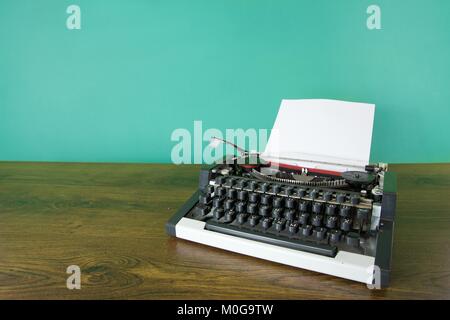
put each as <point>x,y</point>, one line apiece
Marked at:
<point>324,134</point>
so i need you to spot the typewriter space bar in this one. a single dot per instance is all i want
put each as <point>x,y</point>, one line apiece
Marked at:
<point>322,249</point>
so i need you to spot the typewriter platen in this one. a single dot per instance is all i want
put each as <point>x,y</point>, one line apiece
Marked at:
<point>338,223</point>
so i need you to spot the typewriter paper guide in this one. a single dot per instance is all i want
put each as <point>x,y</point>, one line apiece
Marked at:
<point>322,134</point>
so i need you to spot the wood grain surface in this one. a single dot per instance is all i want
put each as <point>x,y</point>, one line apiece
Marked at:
<point>109,219</point>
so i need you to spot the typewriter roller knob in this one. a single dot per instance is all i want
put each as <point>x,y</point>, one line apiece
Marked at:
<point>306,230</point>
<point>231,193</point>
<point>330,209</point>
<point>354,199</point>
<point>277,202</point>
<point>242,195</point>
<point>264,211</point>
<point>319,233</point>
<point>346,224</point>
<point>327,195</point>
<point>352,239</point>
<point>303,219</point>
<point>251,208</point>
<point>335,235</point>
<point>340,198</point>
<point>317,207</point>
<point>253,221</point>
<point>316,220</point>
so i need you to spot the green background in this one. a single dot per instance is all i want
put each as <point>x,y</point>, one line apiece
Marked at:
<point>116,89</point>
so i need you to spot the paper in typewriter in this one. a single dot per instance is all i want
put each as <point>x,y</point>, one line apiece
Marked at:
<point>323,134</point>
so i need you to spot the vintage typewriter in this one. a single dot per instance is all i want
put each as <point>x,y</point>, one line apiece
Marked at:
<point>326,209</point>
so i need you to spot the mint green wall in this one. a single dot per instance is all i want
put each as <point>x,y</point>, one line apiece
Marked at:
<point>117,88</point>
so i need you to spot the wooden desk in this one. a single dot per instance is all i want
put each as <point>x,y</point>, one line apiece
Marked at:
<point>109,219</point>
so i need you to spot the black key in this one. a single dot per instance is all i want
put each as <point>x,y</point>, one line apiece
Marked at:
<point>277,212</point>
<point>220,191</point>
<point>266,223</point>
<point>290,203</point>
<point>253,185</point>
<point>264,187</point>
<point>252,208</point>
<point>335,235</point>
<point>346,224</point>
<point>352,239</point>
<point>293,227</point>
<point>241,183</point>
<point>230,182</point>
<point>240,207</point>
<point>253,197</point>
<point>231,193</point>
<point>241,218</point>
<point>203,210</point>
<point>304,206</point>
<point>209,189</point>
<point>264,211</point>
<point>345,211</point>
<point>266,199</point>
<point>340,198</point>
<point>218,202</point>
<point>362,214</point>
<point>218,213</point>
<point>276,188</point>
<point>289,214</point>
<point>316,220</point>
<point>301,192</point>
<point>306,230</point>
<point>277,202</point>
<point>331,222</point>
<point>319,233</point>
<point>354,199</point>
<point>229,204</point>
<point>317,207</point>
<point>254,219</point>
<point>242,195</point>
<point>303,219</point>
<point>298,244</point>
<point>314,194</point>
<point>219,180</point>
<point>288,190</point>
<point>229,216</point>
<point>204,198</point>
<point>280,224</point>
<point>327,195</point>
<point>330,209</point>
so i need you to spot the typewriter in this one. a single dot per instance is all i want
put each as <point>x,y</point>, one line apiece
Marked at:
<point>311,200</point>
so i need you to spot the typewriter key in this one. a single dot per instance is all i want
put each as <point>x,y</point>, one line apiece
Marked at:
<point>330,209</point>
<point>204,198</point>
<point>279,224</point>
<point>276,188</point>
<point>253,221</point>
<point>288,190</point>
<point>266,223</point>
<point>319,233</point>
<point>344,211</point>
<point>346,224</point>
<point>219,180</point>
<point>242,195</point>
<point>352,239</point>
<point>314,194</point>
<point>290,214</point>
<point>327,196</point>
<point>229,204</point>
<point>229,216</point>
<point>306,230</point>
<point>362,214</point>
<point>331,222</point>
<point>241,218</point>
<point>317,207</point>
<point>230,182</point>
<point>203,210</point>
<point>264,211</point>
<point>217,202</point>
<point>277,202</point>
<point>293,227</point>
<point>290,203</point>
<point>209,189</point>
<point>220,191</point>
<point>277,212</point>
<point>240,207</point>
<point>264,187</point>
<point>251,208</point>
<point>303,219</point>
<point>340,197</point>
<point>335,235</point>
<point>231,193</point>
<point>241,183</point>
<point>253,185</point>
<point>304,206</point>
<point>253,197</point>
<point>316,220</point>
<point>218,213</point>
<point>301,192</point>
<point>354,199</point>
<point>265,199</point>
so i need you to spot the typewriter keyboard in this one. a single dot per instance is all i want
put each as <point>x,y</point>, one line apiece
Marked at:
<point>316,220</point>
